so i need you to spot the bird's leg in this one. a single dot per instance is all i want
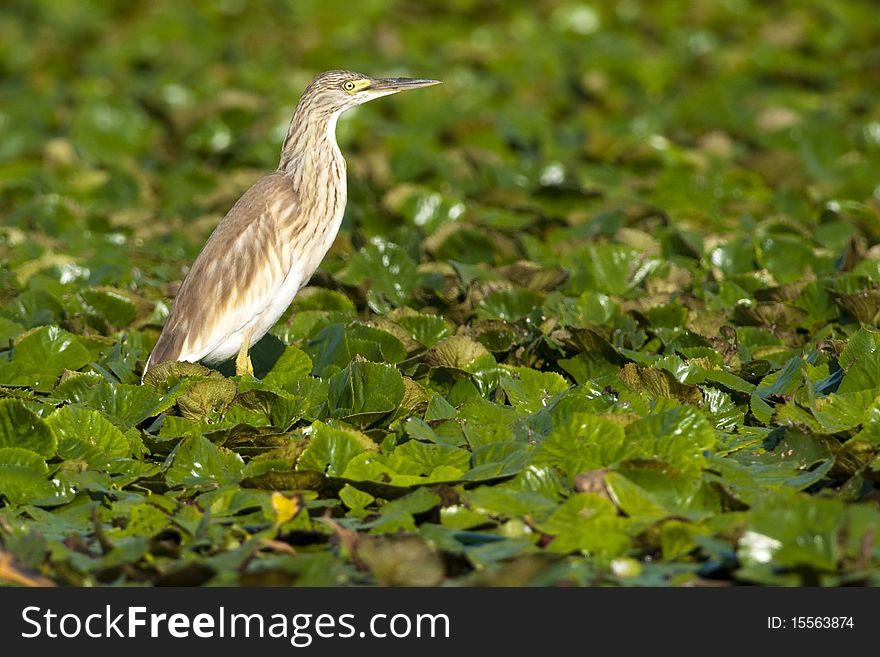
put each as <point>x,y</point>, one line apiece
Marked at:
<point>243,363</point>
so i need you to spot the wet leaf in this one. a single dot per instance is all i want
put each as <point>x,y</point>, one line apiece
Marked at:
<point>425,329</point>
<point>509,305</point>
<point>861,358</point>
<point>530,391</point>
<point>86,435</point>
<point>127,405</point>
<point>21,428</point>
<point>585,442</point>
<point>41,356</point>
<point>116,307</point>
<point>364,392</point>
<point>198,462</point>
<point>23,475</point>
<point>793,531</point>
<point>387,272</point>
<point>587,522</point>
<point>331,448</point>
<point>293,364</point>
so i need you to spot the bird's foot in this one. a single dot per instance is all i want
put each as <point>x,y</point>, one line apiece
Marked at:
<point>243,363</point>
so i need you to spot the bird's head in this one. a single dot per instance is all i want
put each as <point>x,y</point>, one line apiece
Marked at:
<point>328,96</point>
<point>338,91</point>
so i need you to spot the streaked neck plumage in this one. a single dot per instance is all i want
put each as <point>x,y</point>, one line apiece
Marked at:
<point>311,143</point>
<point>312,162</point>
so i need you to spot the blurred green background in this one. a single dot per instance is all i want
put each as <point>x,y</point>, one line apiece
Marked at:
<point>141,122</point>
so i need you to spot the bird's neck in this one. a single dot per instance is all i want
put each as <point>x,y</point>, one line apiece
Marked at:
<point>310,144</point>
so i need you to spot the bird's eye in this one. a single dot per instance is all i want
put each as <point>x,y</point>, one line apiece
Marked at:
<point>348,86</point>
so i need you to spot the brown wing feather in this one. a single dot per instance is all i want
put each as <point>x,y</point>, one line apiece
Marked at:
<point>168,347</point>
<point>226,266</point>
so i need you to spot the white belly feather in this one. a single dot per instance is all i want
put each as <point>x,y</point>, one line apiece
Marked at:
<point>304,264</point>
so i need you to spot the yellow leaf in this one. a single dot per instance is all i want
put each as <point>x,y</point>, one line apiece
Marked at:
<point>285,507</point>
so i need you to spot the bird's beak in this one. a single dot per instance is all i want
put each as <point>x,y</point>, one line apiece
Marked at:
<point>385,86</point>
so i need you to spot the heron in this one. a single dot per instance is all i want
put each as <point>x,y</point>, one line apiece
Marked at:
<point>275,236</point>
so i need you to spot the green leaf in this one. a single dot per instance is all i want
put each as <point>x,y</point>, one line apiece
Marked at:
<point>677,539</point>
<point>356,500</point>
<point>457,352</point>
<point>196,461</point>
<point>117,307</point>
<point>507,502</point>
<point>681,492</point>
<point>634,500</point>
<point>788,257</point>
<point>331,448</point>
<point>20,427</point>
<point>168,375</point>
<point>86,435</point>
<point>530,391</point>
<point>145,520</point>
<point>8,330</point>
<point>423,206</point>
<point>839,412</point>
<point>319,298</point>
<point>871,424</point>
<point>293,364</point>
<point>368,338</point>
<point>398,514</point>
<point>679,436</point>
<point>497,459</point>
<point>606,268</point>
<point>585,442</point>
<point>328,349</point>
<point>126,405</point>
<point>35,308</point>
<point>40,357</point>
<point>425,329</point>
<point>410,464</point>
<point>364,392</point>
<point>792,530</point>
<point>861,358</point>
<point>695,372</point>
<point>587,522</point>
<point>587,310</point>
<point>509,305</point>
<point>734,257</point>
<point>429,458</point>
<point>388,272</point>
<point>439,409</point>
<point>23,475</point>
<point>207,400</point>
<point>485,422</point>
<point>460,517</point>
<point>465,244</point>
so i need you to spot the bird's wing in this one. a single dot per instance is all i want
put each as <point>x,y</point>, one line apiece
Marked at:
<point>236,276</point>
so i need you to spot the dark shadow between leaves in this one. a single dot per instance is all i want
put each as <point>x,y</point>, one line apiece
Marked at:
<point>264,355</point>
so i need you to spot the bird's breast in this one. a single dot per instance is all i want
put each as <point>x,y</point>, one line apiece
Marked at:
<point>306,234</point>
<point>321,210</point>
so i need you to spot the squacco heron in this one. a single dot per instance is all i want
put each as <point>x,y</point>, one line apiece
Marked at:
<point>272,240</point>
